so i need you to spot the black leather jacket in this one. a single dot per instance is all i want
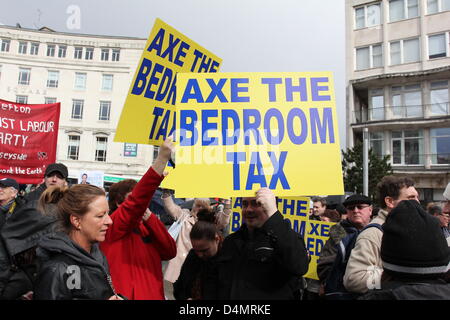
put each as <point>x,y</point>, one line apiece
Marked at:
<point>66,271</point>
<point>267,266</point>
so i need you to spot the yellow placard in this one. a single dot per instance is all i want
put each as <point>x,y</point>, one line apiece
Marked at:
<point>238,132</point>
<point>148,115</point>
<point>295,210</point>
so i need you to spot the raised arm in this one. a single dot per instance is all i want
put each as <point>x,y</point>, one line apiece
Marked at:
<point>129,214</point>
<point>171,208</point>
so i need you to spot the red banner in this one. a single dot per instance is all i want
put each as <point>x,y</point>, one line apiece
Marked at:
<point>28,138</point>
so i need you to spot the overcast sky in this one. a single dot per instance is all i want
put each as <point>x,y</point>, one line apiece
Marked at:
<point>249,35</point>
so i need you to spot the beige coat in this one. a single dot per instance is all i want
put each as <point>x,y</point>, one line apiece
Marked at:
<point>364,267</point>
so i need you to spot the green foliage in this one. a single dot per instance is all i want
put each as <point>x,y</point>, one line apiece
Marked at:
<point>352,168</point>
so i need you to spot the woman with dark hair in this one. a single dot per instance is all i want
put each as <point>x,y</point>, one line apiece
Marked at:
<point>138,242</point>
<point>71,266</point>
<point>206,241</point>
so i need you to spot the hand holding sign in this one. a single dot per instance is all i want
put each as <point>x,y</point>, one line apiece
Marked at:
<point>164,154</point>
<point>266,199</point>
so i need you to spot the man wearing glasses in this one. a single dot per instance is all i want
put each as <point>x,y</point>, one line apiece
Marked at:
<point>364,266</point>
<point>359,211</point>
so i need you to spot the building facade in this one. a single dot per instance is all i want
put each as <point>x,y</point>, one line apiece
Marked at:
<point>90,76</point>
<point>398,76</point>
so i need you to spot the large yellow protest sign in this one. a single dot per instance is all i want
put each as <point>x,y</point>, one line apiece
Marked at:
<point>295,210</point>
<point>238,132</point>
<point>148,115</point>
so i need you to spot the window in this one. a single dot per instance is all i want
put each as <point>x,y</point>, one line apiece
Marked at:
<point>23,47</point>
<point>100,149</point>
<point>107,82</point>
<point>376,143</point>
<point>115,54</point>
<point>369,57</point>
<point>368,16</point>
<point>376,104</point>
<point>78,53</point>
<point>62,51</point>
<point>34,49</point>
<point>73,147</point>
<point>405,51</point>
<point>49,100</point>
<point>89,54</point>
<point>105,55</point>
<point>105,108</point>
<point>403,9</point>
<point>437,46</point>
<point>51,50</point>
<point>435,6</point>
<point>24,76</point>
<point>5,45</point>
<point>440,146</point>
<point>439,98</point>
<point>77,109</point>
<point>407,101</point>
<point>80,81</point>
<point>52,80</point>
<point>22,99</point>
<point>407,147</point>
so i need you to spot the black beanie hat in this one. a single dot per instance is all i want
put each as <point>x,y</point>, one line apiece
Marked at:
<point>413,243</point>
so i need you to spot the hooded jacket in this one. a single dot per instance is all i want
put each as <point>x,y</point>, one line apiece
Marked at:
<point>66,271</point>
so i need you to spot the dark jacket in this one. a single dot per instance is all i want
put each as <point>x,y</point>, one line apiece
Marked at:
<point>413,290</point>
<point>266,266</point>
<point>193,281</point>
<point>18,238</point>
<point>66,271</point>
<point>329,250</point>
<point>35,195</point>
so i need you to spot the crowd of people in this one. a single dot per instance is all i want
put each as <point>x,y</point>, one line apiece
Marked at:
<point>62,242</point>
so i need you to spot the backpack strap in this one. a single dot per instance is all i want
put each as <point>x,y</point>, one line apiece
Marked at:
<point>373,225</point>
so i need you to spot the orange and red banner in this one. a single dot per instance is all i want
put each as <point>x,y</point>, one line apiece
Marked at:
<point>28,139</point>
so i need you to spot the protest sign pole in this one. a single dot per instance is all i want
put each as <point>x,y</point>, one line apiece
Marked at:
<point>366,161</point>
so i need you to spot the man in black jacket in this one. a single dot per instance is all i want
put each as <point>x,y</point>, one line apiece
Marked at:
<point>264,259</point>
<point>55,175</point>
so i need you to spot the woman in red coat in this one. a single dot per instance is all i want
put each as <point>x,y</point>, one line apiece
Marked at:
<point>137,242</point>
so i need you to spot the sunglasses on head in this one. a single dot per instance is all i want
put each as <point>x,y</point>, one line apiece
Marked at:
<point>359,206</point>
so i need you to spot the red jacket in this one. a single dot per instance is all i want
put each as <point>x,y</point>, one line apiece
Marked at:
<point>135,248</point>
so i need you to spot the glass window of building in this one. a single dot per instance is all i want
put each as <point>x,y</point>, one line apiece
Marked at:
<point>407,101</point>
<point>53,79</point>
<point>62,51</point>
<point>22,99</point>
<point>369,57</point>
<point>437,46</point>
<point>439,98</point>
<point>107,82</point>
<point>49,100</point>
<point>376,143</point>
<point>405,51</point>
<point>440,145</point>
<point>100,149</point>
<point>89,54</point>
<point>23,47</point>
<point>24,76</point>
<point>105,109</point>
<point>77,109</point>
<point>403,9</point>
<point>376,105</point>
<point>51,50</point>
<point>73,148</point>
<point>78,53</point>
<point>105,54</point>
<point>367,16</point>
<point>407,147</point>
<point>115,54</point>
<point>434,6</point>
<point>5,45</point>
<point>34,48</point>
<point>80,81</point>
